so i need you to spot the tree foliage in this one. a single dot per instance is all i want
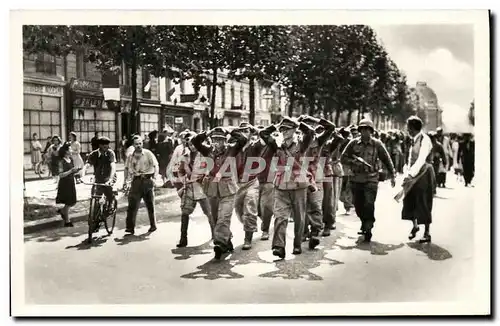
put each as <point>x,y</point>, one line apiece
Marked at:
<point>326,69</point>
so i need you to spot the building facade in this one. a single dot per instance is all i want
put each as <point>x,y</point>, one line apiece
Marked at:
<point>427,106</point>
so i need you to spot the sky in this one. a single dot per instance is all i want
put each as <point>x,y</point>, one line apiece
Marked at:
<point>442,56</point>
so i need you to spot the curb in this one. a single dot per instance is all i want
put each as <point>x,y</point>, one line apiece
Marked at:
<point>55,222</point>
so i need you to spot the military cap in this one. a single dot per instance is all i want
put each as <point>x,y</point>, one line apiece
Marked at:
<point>288,123</point>
<point>218,132</point>
<point>244,125</point>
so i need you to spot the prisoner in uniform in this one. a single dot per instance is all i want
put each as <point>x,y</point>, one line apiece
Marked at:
<point>314,217</point>
<point>219,187</point>
<point>363,154</point>
<point>333,181</point>
<point>290,193</point>
<point>190,169</point>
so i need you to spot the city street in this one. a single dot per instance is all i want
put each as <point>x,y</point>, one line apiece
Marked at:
<point>148,268</point>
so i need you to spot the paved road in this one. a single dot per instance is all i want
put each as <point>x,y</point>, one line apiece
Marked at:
<point>149,269</point>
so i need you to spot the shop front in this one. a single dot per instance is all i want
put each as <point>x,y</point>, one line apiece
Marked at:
<point>178,117</point>
<point>89,114</point>
<point>43,112</point>
<point>149,117</point>
<point>233,118</point>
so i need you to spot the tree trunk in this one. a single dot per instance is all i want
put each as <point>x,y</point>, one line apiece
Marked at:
<point>360,112</point>
<point>349,117</point>
<point>134,109</point>
<point>251,116</point>
<point>338,111</point>
<point>292,102</point>
<point>311,107</point>
<point>212,99</point>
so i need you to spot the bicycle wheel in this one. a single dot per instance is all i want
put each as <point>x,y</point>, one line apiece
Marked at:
<point>110,220</point>
<point>94,216</point>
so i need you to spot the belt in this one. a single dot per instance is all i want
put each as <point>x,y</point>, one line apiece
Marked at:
<point>143,176</point>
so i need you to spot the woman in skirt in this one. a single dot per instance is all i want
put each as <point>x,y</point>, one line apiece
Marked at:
<point>75,150</point>
<point>36,151</point>
<point>66,189</point>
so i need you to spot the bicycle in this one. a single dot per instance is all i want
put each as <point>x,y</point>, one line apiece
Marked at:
<point>98,211</point>
<point>41,168</point>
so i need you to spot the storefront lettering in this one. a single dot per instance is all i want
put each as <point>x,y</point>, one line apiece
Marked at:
<point>85,85</point>
<point>43,89</point>
<point>88,102</point>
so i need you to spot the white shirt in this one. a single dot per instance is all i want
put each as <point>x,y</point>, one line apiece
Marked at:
<point>178,153</point>
<point>425,150</point>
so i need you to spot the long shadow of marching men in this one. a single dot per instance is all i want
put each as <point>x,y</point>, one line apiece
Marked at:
<point>375,248</point>
<point>188,252</point>
<point>213,270</point>
<point>433,251</point>
<point>299,268</point>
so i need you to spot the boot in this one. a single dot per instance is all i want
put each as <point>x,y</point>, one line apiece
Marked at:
<point>184,228</point>
<point>265,236</point>
<point>248,241</point>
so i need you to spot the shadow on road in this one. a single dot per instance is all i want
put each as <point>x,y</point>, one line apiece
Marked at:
<point>374,247</point>
<point>297,268</point>
<point>84,245</point>
<point>433,251</point>
<point>126,239</point>
<point>165,213</point>
<point>188,252</point>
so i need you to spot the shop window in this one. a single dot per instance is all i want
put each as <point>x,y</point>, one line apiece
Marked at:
<point>41,116</point>
<point>230,122</point>
<point>45,63</point>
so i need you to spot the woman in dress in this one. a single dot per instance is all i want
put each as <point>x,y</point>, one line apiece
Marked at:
<point>36,151</point>
<point>66,189</point>
<point>53,156</point>
<point>75,150</point>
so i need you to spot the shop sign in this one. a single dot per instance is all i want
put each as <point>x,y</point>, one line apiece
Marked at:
<point>88,102</point>
<point>37,89</point>
<point>85,85</point>
<point>179,120</point>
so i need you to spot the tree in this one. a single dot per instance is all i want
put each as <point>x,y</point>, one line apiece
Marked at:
<point>110,46</point>
<point>471,113</point>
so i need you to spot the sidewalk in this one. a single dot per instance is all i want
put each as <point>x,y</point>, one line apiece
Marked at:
<point>31,176</point>
<point>40,210</point>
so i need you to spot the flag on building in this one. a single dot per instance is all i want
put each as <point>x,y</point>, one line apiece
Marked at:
<point>111,85</point>
<point>147,88</point>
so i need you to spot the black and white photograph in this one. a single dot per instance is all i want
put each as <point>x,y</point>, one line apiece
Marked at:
<point>246,163</point>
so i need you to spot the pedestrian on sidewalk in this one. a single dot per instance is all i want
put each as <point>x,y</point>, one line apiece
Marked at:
<point>466,155</point>
<point>36,151</point>
<point>363,154</point>
<point>75,155</point>
<point>219,187</point>
<point>66,189</point>
<point>291,182</point>
<point>420,182</point>
<point>142,167</point>
<point>53,156</point>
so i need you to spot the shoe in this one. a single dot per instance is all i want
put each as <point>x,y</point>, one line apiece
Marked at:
<point>248,241</point>
<point>368,236</point>
<point>313,242</point>
<point>129,232</point>
<point>425,239</point>
<point>218,252</point>
<point>183,242</point>
<point>333,226</point>
<point>152,229</point>
<point>413,233</point>
<point>265,236</point>
<point>230,247</point>
<point>297,251</point>
<point>280,252</point>
<point>68,225</point>
<point>326,232</point>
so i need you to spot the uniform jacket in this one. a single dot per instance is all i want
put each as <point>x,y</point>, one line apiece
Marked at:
<point>297,150</point>
<point>225,186</point>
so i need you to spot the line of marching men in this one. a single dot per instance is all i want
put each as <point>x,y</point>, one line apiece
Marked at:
<point>282,188</point>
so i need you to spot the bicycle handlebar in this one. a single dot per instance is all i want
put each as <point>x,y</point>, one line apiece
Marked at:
<point>97,184</point>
